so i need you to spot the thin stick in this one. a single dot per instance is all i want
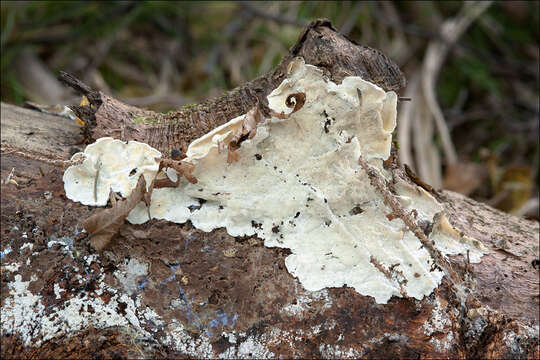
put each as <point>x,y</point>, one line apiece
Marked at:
<point>379,183</point>
<point>55,162</point>
<point>96,180</point>
<point>451,30</point>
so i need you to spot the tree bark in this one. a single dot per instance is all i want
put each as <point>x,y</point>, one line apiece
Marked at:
<point>164,289</point>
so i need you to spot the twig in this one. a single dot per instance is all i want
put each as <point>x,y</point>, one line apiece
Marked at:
<point>530,207</point>
<point>405,116</point>
<point>96,180</point>
<point>388,275</point>
<point>410,29</point>
<point>450,31</point>
<point>426,152</point>
<point>6,149</point>
<point>391,200</point>
<point>162,92</point>
<point>349,24</point>
<point>255,11</point>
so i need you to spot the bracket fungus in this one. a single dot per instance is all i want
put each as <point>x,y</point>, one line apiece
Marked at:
<point>296,182</point>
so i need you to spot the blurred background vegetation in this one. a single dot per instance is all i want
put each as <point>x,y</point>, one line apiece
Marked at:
<point>163,55</point>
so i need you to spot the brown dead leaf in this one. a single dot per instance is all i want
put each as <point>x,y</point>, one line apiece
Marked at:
<point>464,177</point>
<point>515,187</point>
<point>182,168</point>
<point>298,103</point>
<point>244,132</point>
<point>105,224</point>
<point>232,156</point>
<point>253,117</point>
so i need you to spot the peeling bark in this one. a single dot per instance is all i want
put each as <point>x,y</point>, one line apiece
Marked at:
<point>163,289</point>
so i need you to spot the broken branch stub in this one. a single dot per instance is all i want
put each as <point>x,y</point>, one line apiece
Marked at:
<point>296,183</point>
<point>319,45</point>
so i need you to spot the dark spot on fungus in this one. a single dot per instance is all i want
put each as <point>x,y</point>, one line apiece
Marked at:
<point>298,214</point>
<point>192,208</point>
<point>536,264</point>
<point>356,210</point>
<point>132,172</point>
<point>275,229</point>
<point>258,156</point>
<point>416,275</point>
<point>256,225</point>
<point>326,125</point>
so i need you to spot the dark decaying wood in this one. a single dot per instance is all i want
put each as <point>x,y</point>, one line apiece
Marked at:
<point>216,285</point>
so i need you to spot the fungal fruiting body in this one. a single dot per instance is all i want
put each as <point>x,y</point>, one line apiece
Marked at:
<point>297,184</point>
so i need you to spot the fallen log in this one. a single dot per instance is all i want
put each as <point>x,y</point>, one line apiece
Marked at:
<point>166,289</point>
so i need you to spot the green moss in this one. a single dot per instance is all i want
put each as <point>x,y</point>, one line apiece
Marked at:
<point>150,120</point>
<point>396,143</point>
<point>188,106</point>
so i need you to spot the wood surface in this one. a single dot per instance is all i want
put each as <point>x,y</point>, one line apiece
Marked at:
<point>191,278</point>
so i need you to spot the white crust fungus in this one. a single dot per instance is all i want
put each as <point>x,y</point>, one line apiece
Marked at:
<point>297,185</point>
<point>109,165</point>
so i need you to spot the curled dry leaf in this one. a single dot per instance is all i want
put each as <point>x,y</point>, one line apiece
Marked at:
<point>253,117</point>
<point>103,225</point>
<point>232,156</point>
<point>299,101</point>
<point>246,131</point>
<point>182,168</point>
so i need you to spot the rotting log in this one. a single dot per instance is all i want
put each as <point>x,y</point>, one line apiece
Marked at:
<point>164,289</point>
